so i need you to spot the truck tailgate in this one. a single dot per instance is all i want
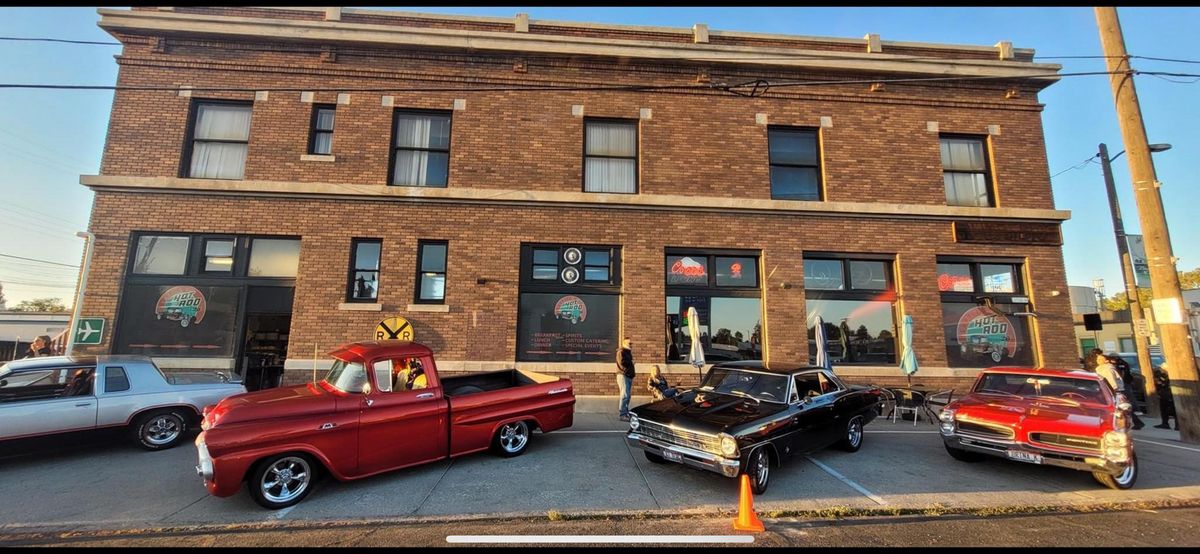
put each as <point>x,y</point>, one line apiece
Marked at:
<point>546,401</point>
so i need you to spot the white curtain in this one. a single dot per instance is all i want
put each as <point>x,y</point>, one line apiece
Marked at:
<point>325,120</point>
<point>433,286</point>
<point>966,189</point>
<point>611,174</point>
<point>962,154</point>
<point>418,168</point>
<point>323,143</point>
<point>220,160</point>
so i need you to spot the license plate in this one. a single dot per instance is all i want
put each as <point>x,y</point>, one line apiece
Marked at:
<point>1023,456</point>
<point>672,456</point>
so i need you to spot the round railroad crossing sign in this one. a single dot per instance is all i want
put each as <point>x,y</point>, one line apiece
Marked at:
<point>394,328</point>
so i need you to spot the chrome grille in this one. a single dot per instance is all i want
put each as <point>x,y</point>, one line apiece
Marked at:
<point>982,430</point>
<point>681,437</point>
<point>1068,441</point>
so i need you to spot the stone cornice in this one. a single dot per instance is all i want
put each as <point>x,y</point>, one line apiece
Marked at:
<point>459,195</point>
<point>337,32</point>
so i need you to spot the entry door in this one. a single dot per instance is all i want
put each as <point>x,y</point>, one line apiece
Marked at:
<point>400,427</point>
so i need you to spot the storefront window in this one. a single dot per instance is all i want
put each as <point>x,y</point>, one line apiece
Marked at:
<point>855,297</point>
<point>570,300</point>
<point>980,307</point>
<point>178,320</point>
<point>274,257</point>
<point>728,306</point>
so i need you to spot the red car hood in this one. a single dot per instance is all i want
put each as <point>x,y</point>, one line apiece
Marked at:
<point>1031,416</point>
<point>299,400</point>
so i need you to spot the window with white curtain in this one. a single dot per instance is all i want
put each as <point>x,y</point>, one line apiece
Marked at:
<point>610,156</point>
<point>421,149</point>
<point>321,141</point>
<point>220,133</point>
<point>965,172</point>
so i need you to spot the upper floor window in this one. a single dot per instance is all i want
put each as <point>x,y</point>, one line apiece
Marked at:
<point>965,172</point>
<point>431,272</point>
<point>364,270</point>
<point>321,135</point>
<point>610,156</point>
<point>220,134</point>
<point>421,149</point>
<point>795,163</point>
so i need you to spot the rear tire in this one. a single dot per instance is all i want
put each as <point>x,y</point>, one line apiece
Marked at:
<point>511,439</point>
<point>282,480</point>
<point>963,455</point>
<point>1120,482</point>
<point>852,436</point>
<point>161,429</point>
<point>654,458</point>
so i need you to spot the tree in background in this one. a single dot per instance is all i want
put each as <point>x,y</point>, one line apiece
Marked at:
<point>40,305</point>
<point>1117,302</point>
<point>2,307</point>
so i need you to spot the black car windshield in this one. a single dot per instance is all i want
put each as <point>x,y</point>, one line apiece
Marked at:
<point>347,376</point>
<point>761,386</point>
<point>1041,387</point>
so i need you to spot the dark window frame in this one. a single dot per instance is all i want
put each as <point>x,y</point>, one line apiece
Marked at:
<point>711,288</point>
<point>849,292</point>
<point>202,252</point>
<point>421,244</point>
<point>816,133</point>
<point>608,267</point>
<point>353,269</point>
<point>975,264</point>
<point>131,260</point>
<point>637,149</point>
<point>583,286</point>
<point>989,183</point>
<point>313,131</point>
<point>108,375</point>
<point>394,148</point>
<point>185,166</point>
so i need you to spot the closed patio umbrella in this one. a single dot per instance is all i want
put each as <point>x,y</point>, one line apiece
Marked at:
<point>908,358</point>
<point>696,354</point>
<point>822,348</point>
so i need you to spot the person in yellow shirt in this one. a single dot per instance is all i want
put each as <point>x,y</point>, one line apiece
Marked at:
<point>409,375</point>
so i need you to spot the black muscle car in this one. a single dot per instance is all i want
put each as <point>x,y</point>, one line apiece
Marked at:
<point>746,417</point>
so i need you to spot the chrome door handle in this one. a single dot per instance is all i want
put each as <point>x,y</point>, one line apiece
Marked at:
<point>369,402</point>
<point>327,426</point>
<point>83,404</point>
<point>425,395</point>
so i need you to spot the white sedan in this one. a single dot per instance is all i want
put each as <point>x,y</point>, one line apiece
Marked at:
<point>64,394</point>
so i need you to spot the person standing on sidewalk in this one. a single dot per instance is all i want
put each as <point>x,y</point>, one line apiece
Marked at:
<point>625,374</point>
<point>1126,372</point>
<point>1166,402</point>
<point>1106,370</point>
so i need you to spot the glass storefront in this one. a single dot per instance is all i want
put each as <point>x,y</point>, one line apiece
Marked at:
<point>570,303</point>
<point>979,334</point>
<point>855,297</point>
<point>724,289</point>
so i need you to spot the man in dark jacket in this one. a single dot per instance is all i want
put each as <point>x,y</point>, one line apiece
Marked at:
<point>1166,402</point>
<point>1126,372</point>
<point>625,373</point>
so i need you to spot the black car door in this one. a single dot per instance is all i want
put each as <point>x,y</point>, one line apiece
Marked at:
<point>812,418</point>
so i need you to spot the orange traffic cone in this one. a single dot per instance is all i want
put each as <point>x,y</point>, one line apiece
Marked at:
<point>747,520</point>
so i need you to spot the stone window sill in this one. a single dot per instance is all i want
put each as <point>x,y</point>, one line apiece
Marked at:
<point>360,307</point>
<point>443,308</point>
<point>317,158</point>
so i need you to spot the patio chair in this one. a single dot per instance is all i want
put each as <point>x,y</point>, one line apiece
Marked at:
<point>939,400</point>
<point>888,406</point>
<point>908,400</point>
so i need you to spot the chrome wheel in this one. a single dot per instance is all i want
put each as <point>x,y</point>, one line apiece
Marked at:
<point>854,432</point>
<point>1125,478</point>
<point>513,436</point>
<point>286,479</point>
<point>162,429</point>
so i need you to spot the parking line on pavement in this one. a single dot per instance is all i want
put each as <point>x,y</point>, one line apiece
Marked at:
<point>847,481</point>
<point>1169,445</point>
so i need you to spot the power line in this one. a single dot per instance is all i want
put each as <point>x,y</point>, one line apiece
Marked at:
<point>36,260</point>
<point>1079,165</point>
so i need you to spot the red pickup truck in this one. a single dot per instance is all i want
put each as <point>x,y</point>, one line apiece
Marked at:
<point>382,406</point>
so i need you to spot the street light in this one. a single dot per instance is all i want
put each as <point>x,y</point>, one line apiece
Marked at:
<point>1136,310</point>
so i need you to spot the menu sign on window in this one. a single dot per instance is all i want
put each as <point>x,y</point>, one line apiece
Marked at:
<point>567,327</point>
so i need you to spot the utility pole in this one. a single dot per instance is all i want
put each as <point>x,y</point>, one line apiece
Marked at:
<point>1164,279</point>
<point>1135,304</point>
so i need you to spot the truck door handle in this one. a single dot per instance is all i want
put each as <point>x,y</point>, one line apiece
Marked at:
<point>83,404</point>
<point>425,395</point>
<point>369,402</point>
<point>327,426</point>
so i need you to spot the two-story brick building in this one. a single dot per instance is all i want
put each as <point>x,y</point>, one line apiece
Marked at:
<point>277,181</point>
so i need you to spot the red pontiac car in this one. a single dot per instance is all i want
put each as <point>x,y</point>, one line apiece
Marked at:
<point>382,406</point>
<point>1066,418</point>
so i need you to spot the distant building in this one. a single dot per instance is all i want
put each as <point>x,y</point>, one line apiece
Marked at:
<point>18,329</point>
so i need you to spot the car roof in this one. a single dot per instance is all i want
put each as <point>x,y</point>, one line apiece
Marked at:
<point>369,350</point>
<point>46,362</point>
<point>755,365</point>
<point>1045,371</point>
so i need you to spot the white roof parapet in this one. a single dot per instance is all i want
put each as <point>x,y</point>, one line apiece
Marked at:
<point>874,45</point>
<point>700,33</point>
<point>362,34</point>
<point>521,23</point>
<point>1006,50</point>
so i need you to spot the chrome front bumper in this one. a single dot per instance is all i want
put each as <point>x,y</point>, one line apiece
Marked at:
<point>691,457</point>
<point>1000,448</point>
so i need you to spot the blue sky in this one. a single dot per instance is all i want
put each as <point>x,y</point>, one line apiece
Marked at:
<point>48,138</point>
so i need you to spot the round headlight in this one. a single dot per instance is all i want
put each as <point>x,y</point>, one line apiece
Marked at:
<point>729,445</point>
<point>947,415</point>
<point>633,422</point>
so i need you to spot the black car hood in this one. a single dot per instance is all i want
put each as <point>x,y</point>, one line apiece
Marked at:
<point>707,412</point>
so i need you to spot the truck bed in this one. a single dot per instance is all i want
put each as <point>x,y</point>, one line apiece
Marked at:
<point>479,402</point>
<point>492,381</point>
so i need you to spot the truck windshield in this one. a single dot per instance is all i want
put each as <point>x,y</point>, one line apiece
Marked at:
<point>760,386</point>
<point>347,376</point>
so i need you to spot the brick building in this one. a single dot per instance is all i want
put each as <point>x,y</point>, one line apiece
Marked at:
<point>277,181</point>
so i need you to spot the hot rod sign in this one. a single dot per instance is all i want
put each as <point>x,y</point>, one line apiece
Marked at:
<point>983,332</point>
<point>183,304</point>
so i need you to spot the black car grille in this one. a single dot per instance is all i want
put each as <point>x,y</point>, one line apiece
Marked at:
<point>1068,441</point>
<point>982,430</point>
<point>681,437</point>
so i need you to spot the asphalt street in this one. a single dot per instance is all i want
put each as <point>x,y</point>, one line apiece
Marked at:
<point>109,484</point>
